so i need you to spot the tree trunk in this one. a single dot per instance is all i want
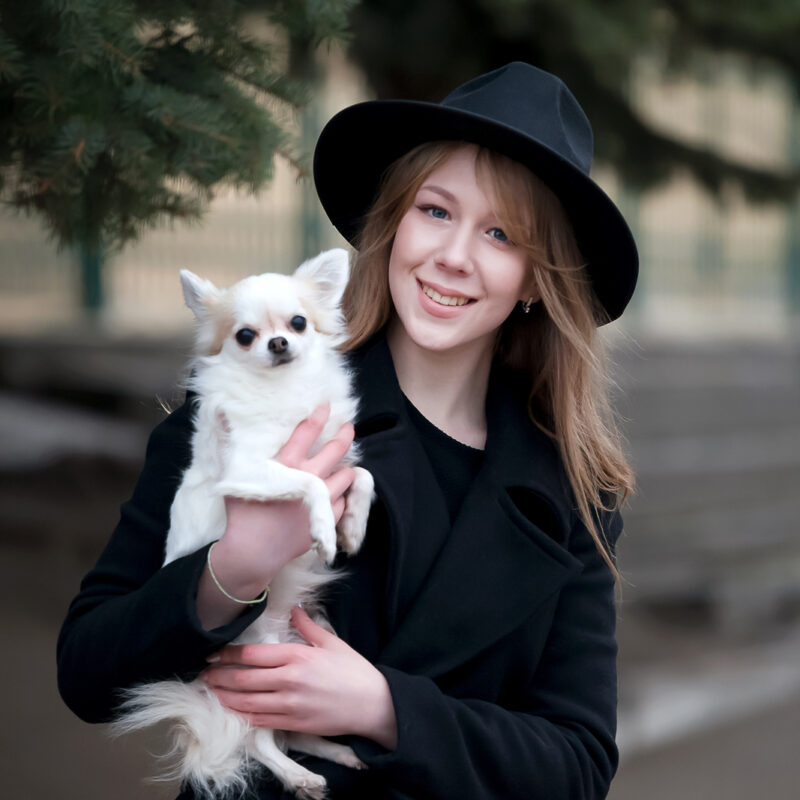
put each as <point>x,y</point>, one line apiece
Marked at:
<point>92,294</point>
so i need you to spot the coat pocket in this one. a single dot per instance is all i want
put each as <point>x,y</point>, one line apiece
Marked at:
<point>533,516</point>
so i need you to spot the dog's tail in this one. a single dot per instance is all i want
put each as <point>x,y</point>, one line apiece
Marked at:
<point>208,740</point>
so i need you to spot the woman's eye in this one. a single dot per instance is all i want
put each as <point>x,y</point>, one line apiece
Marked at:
<point>498,235</point>
<point>298,323</point>
<point>245,336</point>
<point>437,212</point>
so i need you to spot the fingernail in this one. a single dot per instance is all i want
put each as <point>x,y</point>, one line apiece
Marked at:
<point>212,659</point>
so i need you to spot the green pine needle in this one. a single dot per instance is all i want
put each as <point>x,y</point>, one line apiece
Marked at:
<point>116,116</point>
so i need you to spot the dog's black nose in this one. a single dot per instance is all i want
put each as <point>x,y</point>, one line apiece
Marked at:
<point>277,345</point>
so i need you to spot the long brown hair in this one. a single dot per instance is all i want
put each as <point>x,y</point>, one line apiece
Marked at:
<point>557,344</point>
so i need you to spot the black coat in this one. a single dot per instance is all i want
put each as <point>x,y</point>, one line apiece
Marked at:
<point>496,633</point>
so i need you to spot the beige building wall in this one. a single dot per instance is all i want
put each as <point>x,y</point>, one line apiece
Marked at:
<point>715,267</point>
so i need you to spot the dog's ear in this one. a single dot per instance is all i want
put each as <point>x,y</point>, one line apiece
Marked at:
<point>328,272</point>
<point>200,294</point>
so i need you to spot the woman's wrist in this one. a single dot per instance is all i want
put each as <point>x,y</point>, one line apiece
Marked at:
<point>241,577</point>
<point>222,581</point>
<point>259,539</point>
<point>210,567</point>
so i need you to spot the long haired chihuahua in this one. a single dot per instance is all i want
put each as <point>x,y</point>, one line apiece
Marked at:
<point>266,358</point>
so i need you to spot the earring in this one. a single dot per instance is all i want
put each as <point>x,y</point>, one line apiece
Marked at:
<point>526,306</point>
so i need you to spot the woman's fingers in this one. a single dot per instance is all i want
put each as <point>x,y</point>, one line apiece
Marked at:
<point>295,451</point>
<point>253,655</point>
<point>242,679</point>
<point>314,634</point>
<point>262,702</point>
<point>332,453</point>
<point>275,722</point>
<point>339,482</point>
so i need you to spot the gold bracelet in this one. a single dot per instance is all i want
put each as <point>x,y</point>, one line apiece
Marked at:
<point>259,599</point>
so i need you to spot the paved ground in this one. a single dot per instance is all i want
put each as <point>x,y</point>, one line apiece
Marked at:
<point>749,758</point>
<point>46,752</point>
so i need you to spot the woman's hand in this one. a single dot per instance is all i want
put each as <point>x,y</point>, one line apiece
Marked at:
<point>326,688</point>
<point>261,537</point>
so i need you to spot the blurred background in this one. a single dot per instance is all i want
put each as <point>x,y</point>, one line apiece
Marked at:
<point>137,141</point>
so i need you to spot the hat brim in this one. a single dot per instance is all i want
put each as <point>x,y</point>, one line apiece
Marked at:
<point>361,141</point>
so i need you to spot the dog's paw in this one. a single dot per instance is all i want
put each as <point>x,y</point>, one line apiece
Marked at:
<point>353,525</point>
<point>350,533</point>
<point>311,787</point>
<point>347,758</point>
<point>323,531</point>
<point>324,549</point>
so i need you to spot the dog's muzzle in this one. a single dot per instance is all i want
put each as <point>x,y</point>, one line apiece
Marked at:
<point>278,346</point>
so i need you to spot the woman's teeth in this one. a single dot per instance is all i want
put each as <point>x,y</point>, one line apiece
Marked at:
<point>444,299</point>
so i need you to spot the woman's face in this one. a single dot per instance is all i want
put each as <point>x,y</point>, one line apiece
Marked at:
<point>454,276</point>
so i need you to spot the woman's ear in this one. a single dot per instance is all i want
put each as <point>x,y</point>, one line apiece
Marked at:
<point>530,293</point>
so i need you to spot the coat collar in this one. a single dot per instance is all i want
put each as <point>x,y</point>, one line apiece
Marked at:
<point>467,584</point>
<point>518,454</point>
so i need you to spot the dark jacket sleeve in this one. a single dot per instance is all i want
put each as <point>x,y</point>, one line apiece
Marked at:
<point>555,743</point>
<point>132,620</point>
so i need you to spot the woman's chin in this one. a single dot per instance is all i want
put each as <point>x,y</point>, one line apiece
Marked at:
<point>433,339</point>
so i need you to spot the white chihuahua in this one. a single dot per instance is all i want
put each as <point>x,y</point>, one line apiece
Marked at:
<point>266,359</point>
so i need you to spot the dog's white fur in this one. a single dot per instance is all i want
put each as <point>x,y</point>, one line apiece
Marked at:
<point>249,401</point>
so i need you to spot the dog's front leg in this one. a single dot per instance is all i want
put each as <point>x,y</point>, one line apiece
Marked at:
<point>267,479</point>
<point>353,525</point>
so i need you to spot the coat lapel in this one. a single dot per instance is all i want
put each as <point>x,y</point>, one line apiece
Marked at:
<point>404,481</point>
<point>476,581</point>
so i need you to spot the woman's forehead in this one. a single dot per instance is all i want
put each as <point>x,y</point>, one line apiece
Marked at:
<point>465,165</point>
<point>503,182</point>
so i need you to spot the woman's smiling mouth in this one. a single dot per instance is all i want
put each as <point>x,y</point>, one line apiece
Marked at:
<point>443,299</point>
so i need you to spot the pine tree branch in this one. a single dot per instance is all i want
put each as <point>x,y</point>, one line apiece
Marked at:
<point>106,105</point>
<point>129,61</point>
<point>298,165</point>
<point>173,122</point>
<point>708,166</point>
<point>767,31</point>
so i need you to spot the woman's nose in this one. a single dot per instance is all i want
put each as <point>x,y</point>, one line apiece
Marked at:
<point>455,251</point>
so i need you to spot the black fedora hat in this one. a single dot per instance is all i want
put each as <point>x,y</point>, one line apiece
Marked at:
<point>518,110</point>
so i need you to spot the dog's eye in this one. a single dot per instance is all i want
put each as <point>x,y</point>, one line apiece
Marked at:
<point>245,336</point>
<point>298,323</point>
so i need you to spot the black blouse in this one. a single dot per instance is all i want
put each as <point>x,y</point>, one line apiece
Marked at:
<point>454,463</point>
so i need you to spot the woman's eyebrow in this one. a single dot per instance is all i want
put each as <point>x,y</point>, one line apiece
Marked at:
<point>439,190</point>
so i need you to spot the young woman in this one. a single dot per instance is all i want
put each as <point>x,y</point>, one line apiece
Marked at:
<point>475,656</point>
